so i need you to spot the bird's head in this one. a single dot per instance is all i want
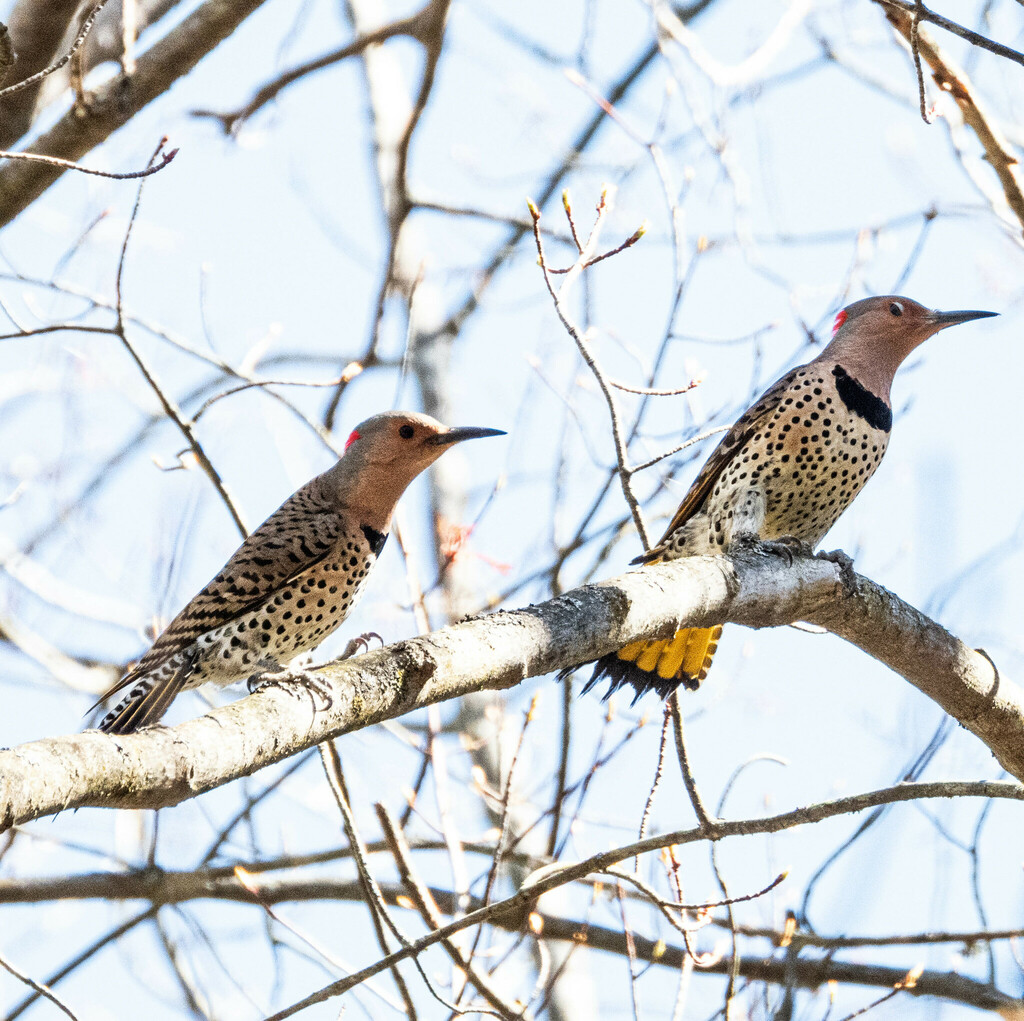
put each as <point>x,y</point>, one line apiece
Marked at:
<point>872,337</point>
<point>895,322</point>
<point>386,452</point>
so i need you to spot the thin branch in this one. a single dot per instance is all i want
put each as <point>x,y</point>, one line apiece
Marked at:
<point>39,987</point>
<point>659,770</point>
<point>83,34</point>
<point>915,50</point>
<point>555,877</point>
<point>594,260</point>
<point>425,904</point>
<point>953,80</point>
<point>371,892</point>
<point>559,298</point>
<point>413,26</point>
<point>647,391</point>
<point>54,161</point>
<point>173,412</point>
<point>678,905</point>
<point>912,7</point>
<point>563,765</point>
<point>704,818</point>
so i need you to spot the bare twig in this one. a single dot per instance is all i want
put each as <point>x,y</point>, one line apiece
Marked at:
<point>373,897</point>
<point>647,391</point>
<point>953,80</point>
<point>39,987</point>
<point>555,877</point>
<point>424,902</point>
<point>915,50</point>
<point>83,34</point>
<point>53,161</point>
<point>559,297</point>
<point>659,770</point>
<point>171,409</point>
<point>418,26</point>
<point>563,765</point>
<point>923,13</point>
<point>703,816</point>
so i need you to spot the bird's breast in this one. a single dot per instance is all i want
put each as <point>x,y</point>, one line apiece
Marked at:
<point>807,460</point>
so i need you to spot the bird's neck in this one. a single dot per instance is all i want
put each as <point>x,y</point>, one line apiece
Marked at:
<point>368,492</point>
<point>873,366</point>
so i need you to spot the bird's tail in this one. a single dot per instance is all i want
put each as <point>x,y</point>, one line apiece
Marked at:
<point>660,665</point>
<point>135,710</point>
<point>147,699</point>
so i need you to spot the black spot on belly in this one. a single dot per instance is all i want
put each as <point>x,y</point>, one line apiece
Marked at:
<point>375,539</point>
<point>862,401</point>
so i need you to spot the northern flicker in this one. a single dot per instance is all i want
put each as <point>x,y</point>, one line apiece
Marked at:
<point>786,470</point>
<point>296,578</point>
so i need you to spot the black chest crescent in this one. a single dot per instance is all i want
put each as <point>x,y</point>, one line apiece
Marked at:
<point>862,401</point>
<point>375,539</point>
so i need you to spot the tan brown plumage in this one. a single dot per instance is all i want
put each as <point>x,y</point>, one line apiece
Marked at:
<point>296,578</point>
<point>789,466</point>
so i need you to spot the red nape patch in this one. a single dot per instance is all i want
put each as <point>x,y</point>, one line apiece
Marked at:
<point>840,319</point>
<point>352,438</point>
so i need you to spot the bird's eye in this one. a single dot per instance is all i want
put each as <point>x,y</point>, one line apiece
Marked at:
<point>896,308</point>
<point>406,432</point>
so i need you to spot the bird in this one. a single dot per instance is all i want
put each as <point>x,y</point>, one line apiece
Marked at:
<point>295,578</point>
<point>784,472</point>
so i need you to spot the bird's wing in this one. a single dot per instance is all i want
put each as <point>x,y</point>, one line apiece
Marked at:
<point>745,427</point>
<point>296,537</point>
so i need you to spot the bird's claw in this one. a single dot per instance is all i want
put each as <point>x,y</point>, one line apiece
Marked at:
<point>314,684</point>
<point>844,562</point>
<point>359,644</point>
<point>788,546</point>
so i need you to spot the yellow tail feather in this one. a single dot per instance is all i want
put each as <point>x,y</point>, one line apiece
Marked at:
<point>685,658</point>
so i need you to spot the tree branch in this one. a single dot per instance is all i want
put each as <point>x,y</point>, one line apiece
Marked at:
<point>118,100</point>
<point>554,877</point>
<point>162,887</point>
<point>420,26</point>
<point>954,80</point>
<point>164,766</point>
<point>36,30</point>
<point>974,38</point>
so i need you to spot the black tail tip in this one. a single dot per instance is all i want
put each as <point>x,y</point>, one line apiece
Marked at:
<point>621,673</point>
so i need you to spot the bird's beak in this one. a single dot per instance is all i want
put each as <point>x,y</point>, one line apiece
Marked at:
<point>465,432</point>
<point>943,319</point>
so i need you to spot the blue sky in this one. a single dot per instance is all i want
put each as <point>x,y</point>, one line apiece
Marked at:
<point>274,241</point>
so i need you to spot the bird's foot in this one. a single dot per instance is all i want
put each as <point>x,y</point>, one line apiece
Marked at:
<point>788,546</point>
<point>844,562</point>
<point>360,644</point>
<point>290,678</point>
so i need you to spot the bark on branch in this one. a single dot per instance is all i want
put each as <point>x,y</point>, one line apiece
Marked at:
<point>164,766</point>
<point>116,102</point>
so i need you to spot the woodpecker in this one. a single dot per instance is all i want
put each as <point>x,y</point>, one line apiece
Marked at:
<point>785,471</point>
<point>296,578</point>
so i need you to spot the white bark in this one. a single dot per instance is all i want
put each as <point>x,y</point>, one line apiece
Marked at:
<point>164,766</point>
